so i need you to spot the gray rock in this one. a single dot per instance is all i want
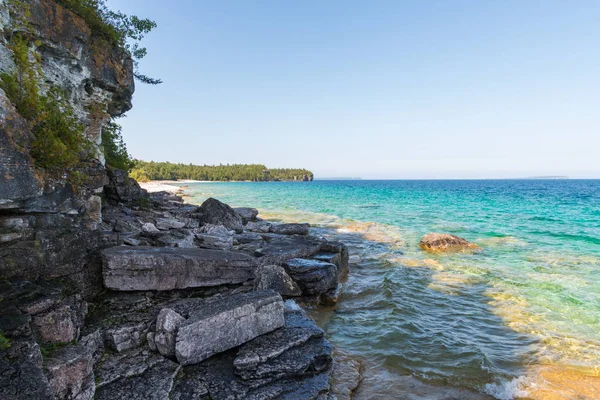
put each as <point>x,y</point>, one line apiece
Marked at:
<point>314,277</point>
<point>123,189</point>
<point>126,336</point>
<point>62,323</point>
<point>152,268</point>
<point>155,383</point>
<point>177,238</point>
<point>167,323</point>
<point>169,223</point>
<point>132,242</point>
<point>70,369</point>
<point>275,278</point>
<point>223,324</point>
<point>22,376</point>
<point>293,362</point>
<point>150,228</point>
<point>280,248</point>
<point>248,214</point>
<point>114,366</point>
<point>248,237</point>
<point>443,243</point>
<point>212,211</point>
<point>342,250</point>
<point>259,226</point>
<point>290,229</point>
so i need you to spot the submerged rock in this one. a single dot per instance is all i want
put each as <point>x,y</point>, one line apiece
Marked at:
<point>225,323</point>
<point>212,211</point>
<point>129,268</point>
<point>443,242</point>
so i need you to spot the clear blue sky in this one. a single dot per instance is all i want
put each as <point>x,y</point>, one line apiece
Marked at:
<point>377,89</point>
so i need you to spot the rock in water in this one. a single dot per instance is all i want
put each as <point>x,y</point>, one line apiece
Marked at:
<point>290,229</point>
<point>274,277</point>
<point>217,213</point>
<point>220,325</point>
<point>314,277</point>
<point>248,214</point>
<point>443,242</point>
<point>128,268</point>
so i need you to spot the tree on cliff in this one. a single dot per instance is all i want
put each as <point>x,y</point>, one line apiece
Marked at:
<point>122,30</point>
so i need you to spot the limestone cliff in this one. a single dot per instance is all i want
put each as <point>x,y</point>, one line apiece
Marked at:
<point>47,228</point>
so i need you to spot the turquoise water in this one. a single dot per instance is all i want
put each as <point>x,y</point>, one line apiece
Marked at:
<point>515,320</point>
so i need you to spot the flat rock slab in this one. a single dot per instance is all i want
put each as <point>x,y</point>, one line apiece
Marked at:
<point>158,268</point>
<point>220,325</point>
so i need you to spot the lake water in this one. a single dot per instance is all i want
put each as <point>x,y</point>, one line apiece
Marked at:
<point>519,320</point>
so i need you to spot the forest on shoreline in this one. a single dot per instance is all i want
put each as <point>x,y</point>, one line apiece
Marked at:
<point>143,171</point>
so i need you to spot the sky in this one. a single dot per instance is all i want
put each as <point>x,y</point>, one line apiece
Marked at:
<point>421,89</point>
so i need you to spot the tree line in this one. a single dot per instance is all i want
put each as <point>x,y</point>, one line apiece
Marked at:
<point>143,171</point>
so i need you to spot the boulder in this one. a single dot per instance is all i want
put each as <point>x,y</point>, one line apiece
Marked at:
<point>126,335</point>
<point>127,268</point>
<point>150,228</point>
<point>314,277</point>
<point>212,211</point>
<point>226,323</point>
<point>167,323</point>
<point>183,238</point>
<point>123,189</point>
<point>214,237</point>
<point>164,224</point>
<point>248,214</point>
<point>443,242</point>
<point>290,229</point>
<point>259,226</point>
<point>274,277</point>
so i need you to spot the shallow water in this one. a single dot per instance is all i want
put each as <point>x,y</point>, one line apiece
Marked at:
<point>519,320</point>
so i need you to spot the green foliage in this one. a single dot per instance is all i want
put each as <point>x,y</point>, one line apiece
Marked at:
<point>119,29</point>
<point>144,171</point>
<point>21,86</point>
<point>58,136</point>
<point>115,150</point>
<point>4,342</point>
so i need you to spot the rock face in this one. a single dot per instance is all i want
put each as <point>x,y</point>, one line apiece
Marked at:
<point>212,211</point>
<point>59,233</point>
<point>151,268</point>
<point>221,325</point>
<point>443,242</point>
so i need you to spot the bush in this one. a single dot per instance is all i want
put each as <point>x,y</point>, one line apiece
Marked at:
<point>58,141</point>
<point>115,150</point>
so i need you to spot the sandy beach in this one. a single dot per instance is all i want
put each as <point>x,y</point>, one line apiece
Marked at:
<point>165,186</point>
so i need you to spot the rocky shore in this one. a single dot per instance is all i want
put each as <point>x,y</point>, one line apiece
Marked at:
<point>197,303</point>
<point>109,292</point>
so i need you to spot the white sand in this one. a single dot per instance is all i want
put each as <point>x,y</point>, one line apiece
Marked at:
<point>162,186</point>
